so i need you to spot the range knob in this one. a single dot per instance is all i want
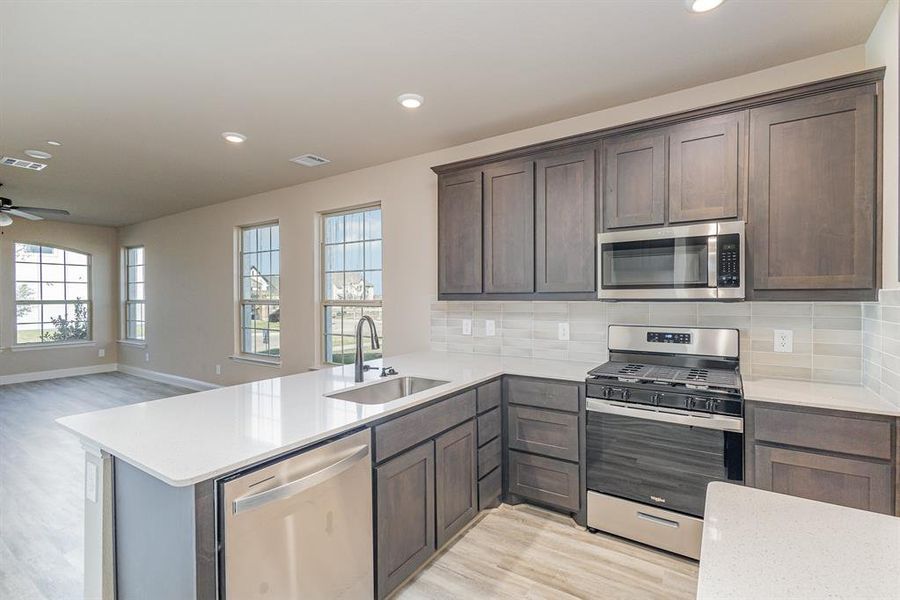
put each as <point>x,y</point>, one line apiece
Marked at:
<point>698,404</point>
<point>626,394</point>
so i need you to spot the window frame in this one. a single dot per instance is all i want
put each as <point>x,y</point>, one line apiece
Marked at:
<point>127,301</point>
<point>89,302</point>
<point>325,303</point>
<point>240,352</point>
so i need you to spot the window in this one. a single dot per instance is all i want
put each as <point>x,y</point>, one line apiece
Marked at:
<point>351,281</point>
<point>260,311</point>
<point>53,302</point>
<point>135,295</point>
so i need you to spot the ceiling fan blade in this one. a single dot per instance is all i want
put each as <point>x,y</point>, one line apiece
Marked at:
<point>47,211</point>
<point>25,215</point>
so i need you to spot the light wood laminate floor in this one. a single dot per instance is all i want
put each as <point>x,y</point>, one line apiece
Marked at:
<point>41,479</point>
<point>523,552</point>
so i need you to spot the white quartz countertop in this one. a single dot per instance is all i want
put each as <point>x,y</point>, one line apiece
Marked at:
<point>835,396</point>
<point>187,439</point>
<point>761,545</point>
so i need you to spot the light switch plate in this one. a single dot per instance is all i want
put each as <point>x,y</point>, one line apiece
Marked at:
<point>147,356</point>
<point>467,326</point>
<point>218,369</point>
<point>563,331</point>
<point>490,328</point>
<point>101,352</point>
<point>784,340</point>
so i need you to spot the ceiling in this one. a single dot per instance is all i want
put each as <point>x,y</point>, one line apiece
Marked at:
<point>139,92</point>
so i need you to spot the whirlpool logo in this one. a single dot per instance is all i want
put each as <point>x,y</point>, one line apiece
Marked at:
<point>658,499</point>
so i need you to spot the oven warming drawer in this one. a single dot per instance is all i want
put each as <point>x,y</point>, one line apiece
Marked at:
<point>650,525</point>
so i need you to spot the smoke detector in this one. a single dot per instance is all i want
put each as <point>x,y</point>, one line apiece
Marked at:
<point>310,160</point>
<point>22,164</point>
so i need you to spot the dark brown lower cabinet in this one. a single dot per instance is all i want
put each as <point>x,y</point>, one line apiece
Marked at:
<point>856,483</point>
<point>545,480</point>
<point>405,505</point>
<point>456,480</point>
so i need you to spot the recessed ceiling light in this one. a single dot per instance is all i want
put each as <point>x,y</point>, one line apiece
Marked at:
<point>701,6</point>
<point>54,143</point>
<point>410,100</point>
<point>234,137</point>
<point>38,154</point>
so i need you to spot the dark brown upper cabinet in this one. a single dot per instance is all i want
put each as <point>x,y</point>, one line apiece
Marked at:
<point>706,168</point>
<point>565,222</point>
<point>509,228</point>
<point>812,196</point>
<point>459,233</point>
<point>634,180</point>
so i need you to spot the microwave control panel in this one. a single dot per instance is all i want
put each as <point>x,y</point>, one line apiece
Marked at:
<point>729,260</point>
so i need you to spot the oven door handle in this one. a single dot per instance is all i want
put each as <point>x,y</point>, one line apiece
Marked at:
<point>706,421</point>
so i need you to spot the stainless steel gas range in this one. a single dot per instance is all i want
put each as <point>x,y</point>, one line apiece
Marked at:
<point>664,419</point>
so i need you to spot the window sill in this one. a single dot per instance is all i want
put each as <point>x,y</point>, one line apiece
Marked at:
<point>253,360</point>
<point>135,343</point>
<point>50,345</point>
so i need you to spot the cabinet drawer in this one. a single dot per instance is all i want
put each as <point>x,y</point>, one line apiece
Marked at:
<point>847,435</point>
<point>489,457</point>
<point>488,426</point>
<point>489,489</point>
<point>407,431</point>
<point>489,396</point>
<point>544,480</point>
<point>543,394</point>
<point>544,432</point>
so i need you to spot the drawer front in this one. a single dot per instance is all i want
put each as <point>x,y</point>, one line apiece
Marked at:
<point>489,489</point>
<point>489,396</point>
<point>831,433</point>
<point>544,480</point>
<point>488,426</point>
<point>489,457</point>
<point>407,431</point>
<point>543,394</point>
<point>542,431</point>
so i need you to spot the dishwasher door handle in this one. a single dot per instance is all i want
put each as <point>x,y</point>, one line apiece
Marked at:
<point>292,488</point>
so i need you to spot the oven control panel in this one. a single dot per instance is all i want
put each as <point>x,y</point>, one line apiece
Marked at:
<point>680,400</point>
<point>728,261</point>
<point>668,337</point>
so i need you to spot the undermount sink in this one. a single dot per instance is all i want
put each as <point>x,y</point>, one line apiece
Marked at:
<point>385,391</point>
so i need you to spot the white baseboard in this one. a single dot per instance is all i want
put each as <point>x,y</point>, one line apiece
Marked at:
<point>187,382</point>
<point>57,373</point>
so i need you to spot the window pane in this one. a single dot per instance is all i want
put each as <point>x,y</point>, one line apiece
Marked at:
<point>28,334</point>
<point>275,263</point>
<point>276,242</point>
<point>131,330</point>
<point>353,257</point>
<point>373,285</point>
<point>334,258</point>
<point>334,229</point>
<point>28,271</point>
<point>28,291</point>
<point>263,263</point>
<point>75,291</point>
<point>249,241</point>
<point>373,224</point>
<point>53,273</point>
<point>373,255</point>
<point>353,227</point>
<point>77,274</point>
<point>54,312</point>
<point>264,239</point>
<point>354,286</point>
<point>135,256</point>
<point>28,313</point>
<point>53,291</point>
<point>28,253</point>
<point>73,258</point>
<point>334,286</point>
<point>57,256</point>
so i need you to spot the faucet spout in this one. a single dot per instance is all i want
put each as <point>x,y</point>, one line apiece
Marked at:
<point>358,366</point>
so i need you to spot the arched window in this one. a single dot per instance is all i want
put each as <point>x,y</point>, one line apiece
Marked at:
<point>53,295</point>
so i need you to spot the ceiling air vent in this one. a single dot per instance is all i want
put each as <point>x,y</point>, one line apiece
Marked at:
<point>22,164</point>
<point>310,160</point>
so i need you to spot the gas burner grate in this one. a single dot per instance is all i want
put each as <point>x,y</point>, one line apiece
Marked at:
<point>631,369</point>
<point>697,375</point>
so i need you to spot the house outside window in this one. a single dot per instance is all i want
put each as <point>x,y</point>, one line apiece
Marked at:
<point>259,313</point>
<point>53,295</point>
<point>351,281</point>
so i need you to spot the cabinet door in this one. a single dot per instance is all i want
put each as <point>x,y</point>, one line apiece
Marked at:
<point>705,168</point>
<point>456,480</point>
<point>812,192</point>
<point>634,180</point>
<point>405,504</point>
<point>459,233</point>
<point>509,228</point>
<point>855,483</point>
<point>565,223</point>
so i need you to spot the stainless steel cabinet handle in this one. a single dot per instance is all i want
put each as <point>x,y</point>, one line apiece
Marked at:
<point>293,488</point>
<point>712,265</point>
<point>658,520</point>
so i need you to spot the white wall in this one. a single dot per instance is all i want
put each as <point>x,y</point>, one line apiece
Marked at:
<point>100,243</point>
<point>190,255</point>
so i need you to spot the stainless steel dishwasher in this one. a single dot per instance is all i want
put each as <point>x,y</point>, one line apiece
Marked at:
<point>301,527</point>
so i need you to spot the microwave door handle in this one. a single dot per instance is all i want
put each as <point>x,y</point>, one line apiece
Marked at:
<point>292,488</point>
<point>712,265</point>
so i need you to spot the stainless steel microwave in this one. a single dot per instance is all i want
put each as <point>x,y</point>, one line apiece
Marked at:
<point>689,262</point>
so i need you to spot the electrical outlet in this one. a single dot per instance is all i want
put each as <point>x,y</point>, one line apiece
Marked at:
<point>467,326</point>
<point>147,357</point>
<point>101,352</point>
<point>218,369</point>
<point>563,331</point>
<point>490,328</point>
<point>784,340</point>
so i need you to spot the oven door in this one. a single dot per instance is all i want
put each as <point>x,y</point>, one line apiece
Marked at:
<point>664,459</point>
<point>667,263</point>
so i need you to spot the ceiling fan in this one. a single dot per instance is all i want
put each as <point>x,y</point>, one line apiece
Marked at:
<point>8,210</point>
